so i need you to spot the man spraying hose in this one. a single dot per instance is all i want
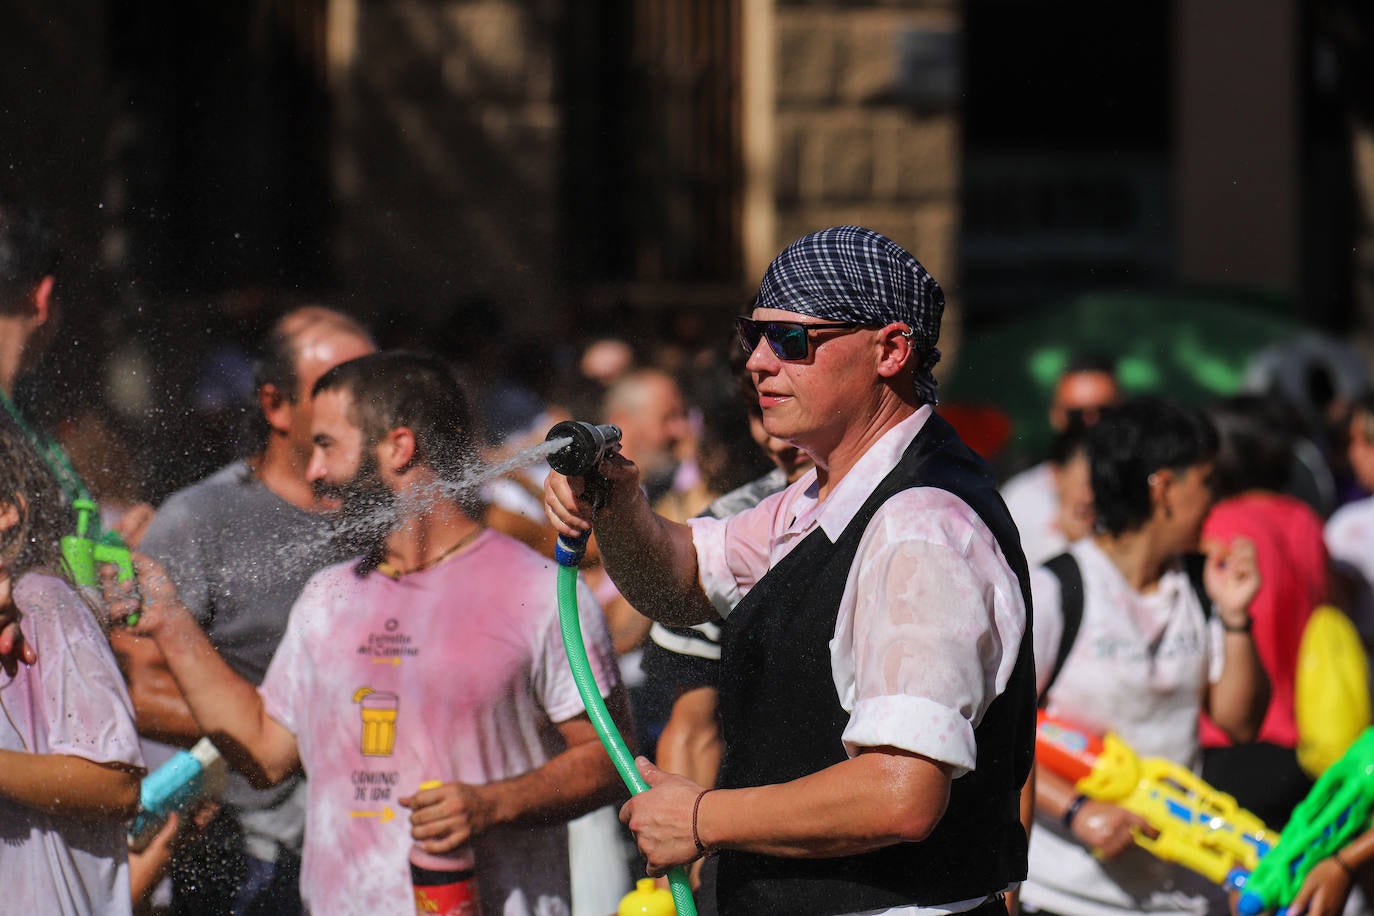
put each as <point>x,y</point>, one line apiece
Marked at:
<point>877,697</point>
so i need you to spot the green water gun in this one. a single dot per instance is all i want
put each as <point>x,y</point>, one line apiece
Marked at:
<point>1334,812</point>
<point>85,555</point>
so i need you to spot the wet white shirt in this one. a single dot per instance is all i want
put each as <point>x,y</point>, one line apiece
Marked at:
<point>931,617</point>
<point>930,621</point>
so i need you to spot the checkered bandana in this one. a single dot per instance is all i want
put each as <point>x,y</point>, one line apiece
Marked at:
<point>849,273</point>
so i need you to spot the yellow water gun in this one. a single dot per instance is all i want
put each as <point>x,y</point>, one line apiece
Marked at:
<point>1198,827</point>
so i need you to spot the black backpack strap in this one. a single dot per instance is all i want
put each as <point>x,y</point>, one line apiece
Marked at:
<point>1195,563</point>
<point>1065,569</point>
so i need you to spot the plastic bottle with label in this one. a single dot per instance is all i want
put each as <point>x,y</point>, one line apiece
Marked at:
<point>445,885</point>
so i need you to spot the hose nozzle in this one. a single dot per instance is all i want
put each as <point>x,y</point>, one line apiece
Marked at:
<point>590,444</point>
<point>579,458</point>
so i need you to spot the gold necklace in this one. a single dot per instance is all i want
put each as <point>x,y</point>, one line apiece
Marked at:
<point>388,569</point>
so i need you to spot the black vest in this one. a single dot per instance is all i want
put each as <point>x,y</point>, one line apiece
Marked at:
<point>782,720</point>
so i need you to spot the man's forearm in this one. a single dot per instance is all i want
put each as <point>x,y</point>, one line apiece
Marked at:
<point>226,707</point>
<point>868,802</point>
<point>653,563</point>
<point>578,780</point>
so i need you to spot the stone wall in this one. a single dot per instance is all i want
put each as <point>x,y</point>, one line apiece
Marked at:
<point>446,151</point>
<point>850,147</point>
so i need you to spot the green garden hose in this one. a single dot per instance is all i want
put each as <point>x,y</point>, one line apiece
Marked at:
<point>579,448</point>
<point>620,755</point>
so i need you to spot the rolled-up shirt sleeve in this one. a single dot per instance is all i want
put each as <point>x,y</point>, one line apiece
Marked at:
<point>928,631</point>
<point>734,553</point>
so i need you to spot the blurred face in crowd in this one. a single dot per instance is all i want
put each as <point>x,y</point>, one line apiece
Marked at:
<point>792,460</point>
<point>317,351</point>
<point>1182,500</point>
<point>648,407</point>
<point>1073,486</point>
<point>1361,449</point>
<point>607,360</point>
<point>1085,393</point>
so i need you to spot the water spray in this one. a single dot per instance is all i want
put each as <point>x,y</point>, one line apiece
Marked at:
<point>587,446</point>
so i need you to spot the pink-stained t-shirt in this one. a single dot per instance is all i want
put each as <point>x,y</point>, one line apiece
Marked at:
<point>931,618</point>
<point>454,673</point>
<point>1292,560</point>
<point>72,701</point>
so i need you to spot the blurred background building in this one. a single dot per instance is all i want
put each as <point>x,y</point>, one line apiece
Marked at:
<point>551,170</point>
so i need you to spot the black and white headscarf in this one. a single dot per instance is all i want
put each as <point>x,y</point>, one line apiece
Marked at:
<point>848,273</point>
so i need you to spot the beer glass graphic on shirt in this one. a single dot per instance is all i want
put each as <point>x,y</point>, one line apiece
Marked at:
<point>379,721</point>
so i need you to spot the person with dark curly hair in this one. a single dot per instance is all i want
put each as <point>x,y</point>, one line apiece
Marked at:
<point>70,763</point>
<point>1146,657</point>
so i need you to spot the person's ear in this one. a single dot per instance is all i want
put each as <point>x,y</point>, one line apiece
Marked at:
<point>1161,482</point>
<point>42,299</point>
<point>9,516</point>
<point>897,354</point>
<point>396,451</point>
<point>276,407</point>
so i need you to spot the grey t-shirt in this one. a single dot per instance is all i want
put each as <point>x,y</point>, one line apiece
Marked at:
<point>240,555</point>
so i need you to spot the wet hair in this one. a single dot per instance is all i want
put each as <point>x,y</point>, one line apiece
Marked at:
<point>35,542</point>
<point>1134,440</point>
<point>1255,445</point>
<point>28,253</point>
<point>396,388</point>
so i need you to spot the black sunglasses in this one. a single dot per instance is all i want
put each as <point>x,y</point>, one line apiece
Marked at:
<point>789,340</point>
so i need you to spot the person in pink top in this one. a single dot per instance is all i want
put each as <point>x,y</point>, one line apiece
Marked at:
<point>1252,469</point>
<point>435,656</point>
<point>69,756</point>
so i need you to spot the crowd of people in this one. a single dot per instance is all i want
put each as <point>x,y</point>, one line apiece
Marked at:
<point>826,624</point>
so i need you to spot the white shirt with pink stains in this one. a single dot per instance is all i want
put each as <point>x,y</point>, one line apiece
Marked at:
<point>931,618</point>
<point>72,702</point>
<point>1138,667</point>
<point>454,673</point>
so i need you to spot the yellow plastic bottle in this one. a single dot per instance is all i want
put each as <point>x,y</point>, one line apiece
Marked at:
<point>647,900</point>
